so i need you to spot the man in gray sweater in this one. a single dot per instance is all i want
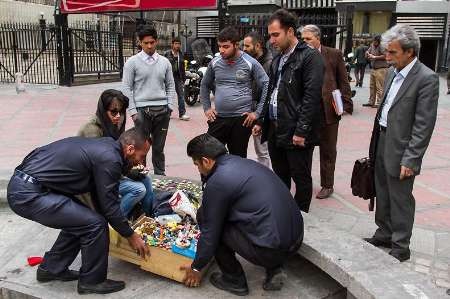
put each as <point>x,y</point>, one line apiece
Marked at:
<point>148,83</point>
<point>231,76</point>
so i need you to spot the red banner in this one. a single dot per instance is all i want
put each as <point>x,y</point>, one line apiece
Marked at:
<point>96,6</point>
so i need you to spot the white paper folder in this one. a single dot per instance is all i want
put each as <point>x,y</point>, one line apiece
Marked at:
<point>337,102</point>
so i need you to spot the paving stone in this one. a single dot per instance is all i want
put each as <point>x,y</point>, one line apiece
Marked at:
<point>422,269</point>
<point>423,241</point>
<point>442,274</point>
<point>424,262</point>
<point>440,265</point>
<point>443,283</point>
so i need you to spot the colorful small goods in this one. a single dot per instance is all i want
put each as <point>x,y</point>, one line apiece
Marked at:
<point>170,235</point>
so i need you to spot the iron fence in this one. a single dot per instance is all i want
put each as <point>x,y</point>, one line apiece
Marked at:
<point>30,49</point>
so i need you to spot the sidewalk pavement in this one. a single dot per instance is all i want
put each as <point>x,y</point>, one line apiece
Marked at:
<point>46,113</point>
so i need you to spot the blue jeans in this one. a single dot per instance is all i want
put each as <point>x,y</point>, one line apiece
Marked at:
<point>132,192</point>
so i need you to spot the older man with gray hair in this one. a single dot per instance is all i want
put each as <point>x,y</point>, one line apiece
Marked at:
<point>335,78</point>
<point>402,131</point>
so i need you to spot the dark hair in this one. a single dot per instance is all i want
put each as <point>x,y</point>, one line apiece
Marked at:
<point>106,98</point>
<point>377,38</point>
<point>147,31</point>
<point>176,40</point>
<point>229,34</point>
<point>256,38</point>
<point>286,19</point>
<point>205,146</point>
<point>133,137</point>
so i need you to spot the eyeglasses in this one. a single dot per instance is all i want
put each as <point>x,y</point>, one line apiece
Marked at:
<point>115,112</point>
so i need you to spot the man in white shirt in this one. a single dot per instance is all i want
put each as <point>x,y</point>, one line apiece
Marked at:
<point>148,83</point>
<point>402,131</point>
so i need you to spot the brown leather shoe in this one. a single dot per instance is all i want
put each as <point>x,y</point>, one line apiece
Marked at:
<point>324,193</point>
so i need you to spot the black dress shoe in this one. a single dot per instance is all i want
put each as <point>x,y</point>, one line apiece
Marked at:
<point>106,287</point>
<point>237,287</point>
<point>44,275</point>
<point>367,105</point>
<point>402,256</point>
<point>274,279</point>
<point>378,243</point>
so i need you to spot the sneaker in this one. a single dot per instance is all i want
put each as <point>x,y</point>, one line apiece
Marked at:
<point>185,117</point>
<point>106,287</point>
<point>274,279</point>
<point>237,288</point>
<point>45,276</point>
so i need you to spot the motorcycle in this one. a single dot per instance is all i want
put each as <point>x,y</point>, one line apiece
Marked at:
<point>193,80</point>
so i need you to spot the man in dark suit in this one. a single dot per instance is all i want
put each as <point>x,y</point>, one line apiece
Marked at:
<point>401,134</point>
<point>335,77</point>
<point>262,225</point>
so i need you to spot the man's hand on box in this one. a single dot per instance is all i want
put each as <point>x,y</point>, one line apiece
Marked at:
<point>192,278</point>
<point>138,244</point>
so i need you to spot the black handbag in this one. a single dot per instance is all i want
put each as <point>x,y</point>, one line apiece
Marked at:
<point>363,180</point>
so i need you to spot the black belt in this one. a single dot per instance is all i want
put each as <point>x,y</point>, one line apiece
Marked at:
<point>25,177</point>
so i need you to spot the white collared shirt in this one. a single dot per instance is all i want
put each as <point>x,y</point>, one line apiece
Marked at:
<point>393,90</point>
<point>149,59</point>
<point>274,96</point>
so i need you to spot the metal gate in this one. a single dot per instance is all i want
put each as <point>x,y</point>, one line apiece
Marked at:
<point>30,49</point>
<point>95,53</point>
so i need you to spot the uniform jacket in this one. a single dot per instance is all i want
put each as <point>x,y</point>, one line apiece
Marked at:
<point>177,64</point>
<point>268,217</point>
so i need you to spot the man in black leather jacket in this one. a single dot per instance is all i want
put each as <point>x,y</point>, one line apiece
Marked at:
<point>292,114</point>
<point>175,57</point>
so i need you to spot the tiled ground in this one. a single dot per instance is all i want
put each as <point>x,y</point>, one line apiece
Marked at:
<point>46,113</point>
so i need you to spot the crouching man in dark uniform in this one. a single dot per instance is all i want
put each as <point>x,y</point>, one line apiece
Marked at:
<point>246,209</point>
<point>42,189</point>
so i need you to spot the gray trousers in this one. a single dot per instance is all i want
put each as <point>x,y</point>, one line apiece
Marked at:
<point>395,204</point>
<point>262,151</point>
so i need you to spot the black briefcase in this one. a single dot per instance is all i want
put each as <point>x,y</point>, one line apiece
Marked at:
<point>363,180</point>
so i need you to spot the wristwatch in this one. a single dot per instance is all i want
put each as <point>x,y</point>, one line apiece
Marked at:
<point>195,270</point>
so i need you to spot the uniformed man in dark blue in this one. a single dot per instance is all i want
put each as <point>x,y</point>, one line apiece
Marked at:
<point>246,209</point>
<point>43,189</point>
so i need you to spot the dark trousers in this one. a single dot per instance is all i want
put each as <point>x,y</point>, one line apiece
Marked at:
<point>234,241</point>
<point>81,229</point>
<point>328,141</point>
<point>154,122</point>
<point>360,70</point>
<point>293,164</point>
<point>179,88</point>
<point>395,204</point>
<point>231,132</point>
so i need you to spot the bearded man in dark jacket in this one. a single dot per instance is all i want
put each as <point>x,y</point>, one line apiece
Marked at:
<point>292,114</point>
<point>254,46</point>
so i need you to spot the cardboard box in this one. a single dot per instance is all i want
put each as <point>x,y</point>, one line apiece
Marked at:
<point>161,261</point>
